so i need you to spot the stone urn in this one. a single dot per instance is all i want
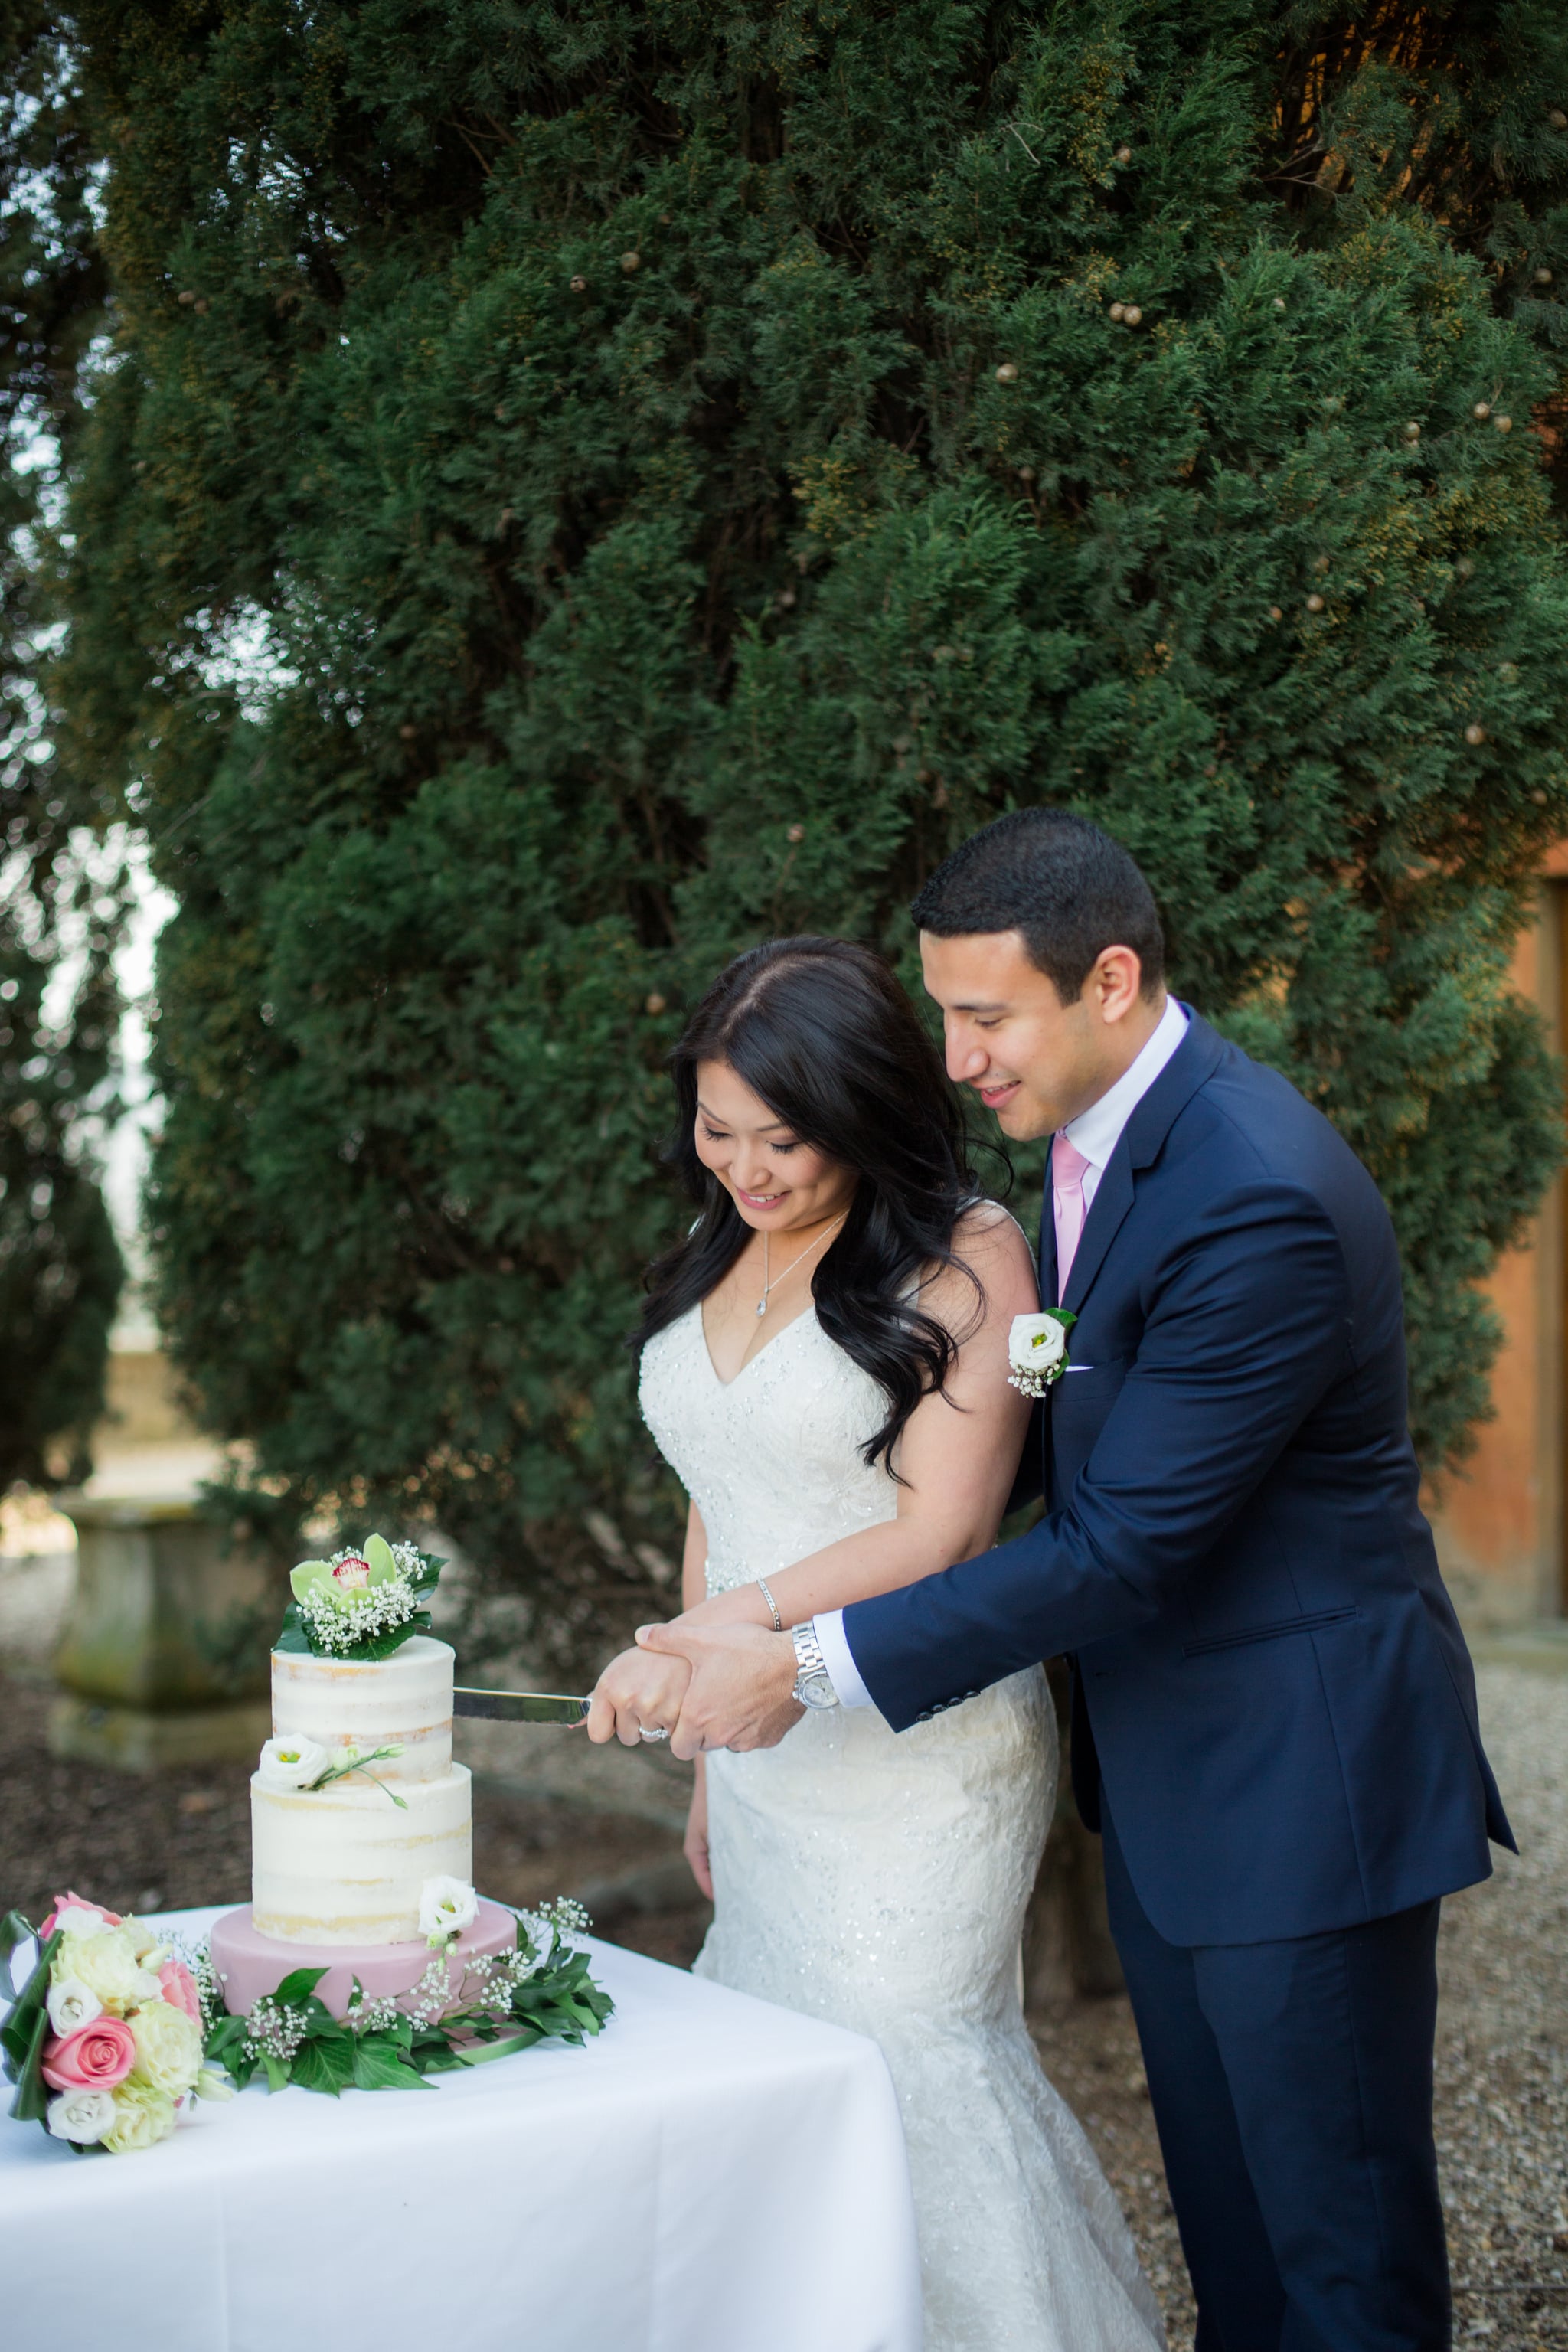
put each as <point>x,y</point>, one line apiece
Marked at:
<point>165,1656</point>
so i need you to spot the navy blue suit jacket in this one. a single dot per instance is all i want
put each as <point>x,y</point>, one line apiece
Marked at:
<point>1270,1683</point>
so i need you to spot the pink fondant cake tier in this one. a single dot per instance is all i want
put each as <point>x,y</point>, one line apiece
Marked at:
<point>249,1964</point>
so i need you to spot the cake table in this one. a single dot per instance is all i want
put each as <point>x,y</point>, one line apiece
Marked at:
<point>711,2174</point>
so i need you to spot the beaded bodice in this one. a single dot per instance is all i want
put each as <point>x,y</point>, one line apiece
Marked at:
<point>771,1459</point>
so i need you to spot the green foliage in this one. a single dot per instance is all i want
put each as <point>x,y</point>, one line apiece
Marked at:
<point>686,468</point>
<point>26,2024</point>
<point>60,1267</point>
<point>558,2000</point>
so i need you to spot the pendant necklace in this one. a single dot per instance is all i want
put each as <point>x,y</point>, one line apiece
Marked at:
<point>816,1244</point>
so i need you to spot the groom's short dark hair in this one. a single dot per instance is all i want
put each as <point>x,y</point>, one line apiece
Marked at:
<point>1062,882</point>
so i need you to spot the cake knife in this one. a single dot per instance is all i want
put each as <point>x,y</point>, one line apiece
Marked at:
<point>520,1707</point>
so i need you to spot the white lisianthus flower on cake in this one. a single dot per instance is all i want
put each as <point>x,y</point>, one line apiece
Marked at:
<point>81,2116</point>
<point>1037,1351</point>
<point>446,1907</point>
<point>292,1761</point>
<point>71,2003</point>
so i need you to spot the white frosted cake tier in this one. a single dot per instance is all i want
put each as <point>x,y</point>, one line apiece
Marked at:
<point>403,1701</point>
<point>343,1865</point>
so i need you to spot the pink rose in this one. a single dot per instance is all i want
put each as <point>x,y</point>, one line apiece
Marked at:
<point>353,1571</point>
<point>180,1990</point>
<point>94,2058</point>
<point>80,1903</point>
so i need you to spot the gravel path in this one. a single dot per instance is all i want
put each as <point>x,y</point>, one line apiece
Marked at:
<point>1502,2060</point>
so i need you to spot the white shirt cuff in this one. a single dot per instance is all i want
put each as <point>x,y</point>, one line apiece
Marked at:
<point>842,1671</point>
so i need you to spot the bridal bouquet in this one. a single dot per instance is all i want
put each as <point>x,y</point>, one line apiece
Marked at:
<point>360,1604</point>
<point>104,2040</point>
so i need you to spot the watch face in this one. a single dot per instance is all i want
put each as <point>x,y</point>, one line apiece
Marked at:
<point>818,1690</point>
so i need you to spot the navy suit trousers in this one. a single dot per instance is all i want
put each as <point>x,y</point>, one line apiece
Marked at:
<point>1291,2083</point>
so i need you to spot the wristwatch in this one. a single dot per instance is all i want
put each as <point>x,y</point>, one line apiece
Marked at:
<point>813,1683</point>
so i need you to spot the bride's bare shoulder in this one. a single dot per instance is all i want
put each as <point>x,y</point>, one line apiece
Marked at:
<point>989,1234</point>
<point>993,1251</point>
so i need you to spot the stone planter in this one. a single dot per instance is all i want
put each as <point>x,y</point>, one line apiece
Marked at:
<point>165,1656</point>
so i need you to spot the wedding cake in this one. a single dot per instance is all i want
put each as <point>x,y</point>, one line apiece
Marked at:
<point>360,1823</point>
<point>345,1863</point>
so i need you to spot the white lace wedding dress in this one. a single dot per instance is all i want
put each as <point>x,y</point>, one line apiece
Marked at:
<point>880,1881</point>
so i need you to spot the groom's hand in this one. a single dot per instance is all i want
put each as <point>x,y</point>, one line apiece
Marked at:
<point>635,1691</point>
<point>742,1692</point>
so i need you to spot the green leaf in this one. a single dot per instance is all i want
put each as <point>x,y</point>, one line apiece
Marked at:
<point>31,2102</point>
<point>294,1638</point>
<point>467,2055</point>
<point>14,1930</point>
<point>378,2065</point>
<point>277,2071</point>
<point>298,1987</point>
<point>381,1645</point>
<point>326,2063</point>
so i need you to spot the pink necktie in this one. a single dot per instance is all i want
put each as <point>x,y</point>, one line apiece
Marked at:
<point>1069,1167</point>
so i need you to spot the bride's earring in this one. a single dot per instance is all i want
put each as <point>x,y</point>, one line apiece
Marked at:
<point>762,1301</point>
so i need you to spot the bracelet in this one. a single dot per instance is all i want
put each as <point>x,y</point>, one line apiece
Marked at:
<point>773,1604</point>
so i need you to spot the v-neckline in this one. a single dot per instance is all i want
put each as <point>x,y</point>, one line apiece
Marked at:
<point>804,1317</point>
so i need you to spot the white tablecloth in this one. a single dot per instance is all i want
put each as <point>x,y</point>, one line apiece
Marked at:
<point>710,2175</point>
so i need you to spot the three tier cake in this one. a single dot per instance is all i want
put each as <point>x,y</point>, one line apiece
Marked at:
<point>340,1861</point>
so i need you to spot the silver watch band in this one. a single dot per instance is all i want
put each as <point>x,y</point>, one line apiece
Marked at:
<point>811,1667</point>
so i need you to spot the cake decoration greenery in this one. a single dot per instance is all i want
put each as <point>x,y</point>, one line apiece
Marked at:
<point>507,2002</point>
<point>112,2031</point>
<point>359,1605</point>
<point>108,2018</point>
<point>293,1762</point>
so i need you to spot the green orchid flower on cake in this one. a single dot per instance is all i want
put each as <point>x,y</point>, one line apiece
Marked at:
<point>360,1604</point>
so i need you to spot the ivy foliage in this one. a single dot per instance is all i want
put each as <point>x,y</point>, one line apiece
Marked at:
<point>576,488</point>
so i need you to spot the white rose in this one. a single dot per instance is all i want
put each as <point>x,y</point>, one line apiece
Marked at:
<point>81,2116</point>
<point>292,1761</point>
<point>1036,1343</point>
<point>446,1907</point>
<point>142,2117</point>
<point>107,1966</point>
<point>71,2003</point>
<point>73,1919</point>
<point>168,2048</point>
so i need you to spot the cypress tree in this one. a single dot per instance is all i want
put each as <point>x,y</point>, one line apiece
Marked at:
<point>60,905</point>
<point>575,490</point>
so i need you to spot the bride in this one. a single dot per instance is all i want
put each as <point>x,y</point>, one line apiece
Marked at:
<point>823,1366</point>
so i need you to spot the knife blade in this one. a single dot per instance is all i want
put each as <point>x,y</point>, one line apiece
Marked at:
<point>520,1707</point>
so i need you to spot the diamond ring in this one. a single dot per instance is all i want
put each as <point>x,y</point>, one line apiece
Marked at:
<point>658,1731</point>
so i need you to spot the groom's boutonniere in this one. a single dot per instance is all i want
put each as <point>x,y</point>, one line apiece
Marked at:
<point>1038,1349</point>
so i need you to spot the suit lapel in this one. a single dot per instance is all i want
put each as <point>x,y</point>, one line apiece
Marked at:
<point>1048,1243</point>
<point>1139,1146</point>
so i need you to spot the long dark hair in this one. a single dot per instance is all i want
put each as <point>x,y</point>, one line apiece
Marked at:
<point>822,1031</point>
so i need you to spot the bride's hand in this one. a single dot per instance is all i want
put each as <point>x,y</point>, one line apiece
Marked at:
<point>636,1689</point>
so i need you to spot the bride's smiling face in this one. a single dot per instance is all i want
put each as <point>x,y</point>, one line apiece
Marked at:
<point>778,1183</point>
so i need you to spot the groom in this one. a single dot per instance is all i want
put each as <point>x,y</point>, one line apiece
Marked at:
<point>1274,1717</point>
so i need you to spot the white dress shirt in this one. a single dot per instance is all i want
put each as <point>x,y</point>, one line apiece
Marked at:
<point>1096,1132</point>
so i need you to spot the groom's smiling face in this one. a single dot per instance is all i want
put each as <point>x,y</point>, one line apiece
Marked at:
<point>1036,1062</point>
